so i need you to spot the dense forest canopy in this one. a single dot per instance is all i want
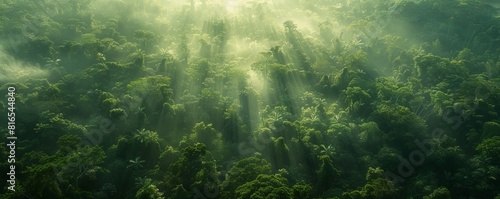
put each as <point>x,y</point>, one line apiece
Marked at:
<point>251,99</point>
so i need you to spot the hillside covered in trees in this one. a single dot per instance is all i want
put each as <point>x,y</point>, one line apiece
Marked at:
<point>335,99</point>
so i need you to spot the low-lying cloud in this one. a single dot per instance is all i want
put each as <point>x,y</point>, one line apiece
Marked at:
<point>13,70</point>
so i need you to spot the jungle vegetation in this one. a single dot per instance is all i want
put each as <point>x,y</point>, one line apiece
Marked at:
<point>252,99</point>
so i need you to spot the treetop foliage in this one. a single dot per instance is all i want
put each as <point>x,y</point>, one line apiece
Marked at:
<point>251,99</point>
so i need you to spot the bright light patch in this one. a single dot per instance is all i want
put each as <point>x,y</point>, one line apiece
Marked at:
<point>231,7</point>
<point>255,81</point>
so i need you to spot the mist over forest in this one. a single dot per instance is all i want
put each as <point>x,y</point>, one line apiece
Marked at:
<point>164,99</point>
